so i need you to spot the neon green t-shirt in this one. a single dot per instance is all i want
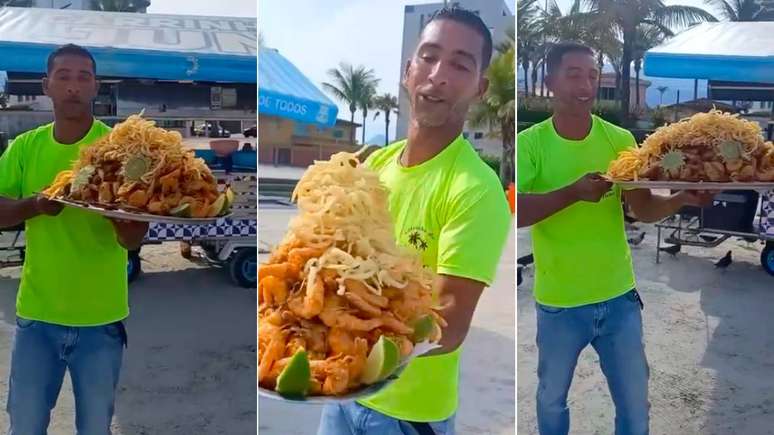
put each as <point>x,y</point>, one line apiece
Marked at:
<point>581,253</point>
<point>453,211</point>
<point>74,271</point>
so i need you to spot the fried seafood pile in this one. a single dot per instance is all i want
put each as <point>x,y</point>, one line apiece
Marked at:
<point>338,282</point>
<point>711,147</point>
<point>141,167</point>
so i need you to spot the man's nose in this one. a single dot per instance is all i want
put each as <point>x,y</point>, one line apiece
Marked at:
<point>439,74</point>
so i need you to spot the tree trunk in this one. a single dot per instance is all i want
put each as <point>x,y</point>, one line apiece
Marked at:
<point>617,90</point>
<point>525,66</point>
<point>626,63</point>
<point>352,120</point>
<point>543,77</point>
<point>601,65</point>
<point>534,81</point>
<point>365,113</point>
<point>695,89</point>
<point>637,66</point>
<point>386,127</point>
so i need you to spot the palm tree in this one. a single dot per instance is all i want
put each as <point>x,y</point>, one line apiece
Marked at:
<point>528,35</point>
<point>497,110</point>
<point>661,90</point>
<point>386,104</point>
<point>741,10</point>
<point>628,15</point>
<point>348,85</point>
<point>647,38</point>
<point>120,5</point>
<point>366,101</point>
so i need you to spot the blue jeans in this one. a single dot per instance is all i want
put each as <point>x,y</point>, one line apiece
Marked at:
<point>351,418</point>
<point>41,354</point>
<point>614,329</point>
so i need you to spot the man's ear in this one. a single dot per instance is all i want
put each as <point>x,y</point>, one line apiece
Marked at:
<point>404,80</point>
<point>45,86</point>
<point>483,86</point>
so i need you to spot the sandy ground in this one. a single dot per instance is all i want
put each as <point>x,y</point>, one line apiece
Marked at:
<point>487,374</point>
<point>191,354</point>
<point>708,338</point>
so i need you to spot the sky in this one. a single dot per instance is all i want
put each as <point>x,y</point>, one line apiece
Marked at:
<point>685,87</point>
<point>220,8</point>
<point>316,35</point>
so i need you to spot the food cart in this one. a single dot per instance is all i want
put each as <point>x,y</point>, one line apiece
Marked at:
<point>177,69</point>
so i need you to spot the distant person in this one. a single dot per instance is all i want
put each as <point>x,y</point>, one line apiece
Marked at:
<point>450,208</point>
<point>73,293</point>
<point>584,284</point>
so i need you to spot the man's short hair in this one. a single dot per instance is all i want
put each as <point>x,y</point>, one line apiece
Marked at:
<point>557,52</point>
<point>473,21</point>
<point>71,50</point>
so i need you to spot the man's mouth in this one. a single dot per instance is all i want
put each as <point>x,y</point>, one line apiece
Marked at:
<point>583,99</point>
<point>430,98</point>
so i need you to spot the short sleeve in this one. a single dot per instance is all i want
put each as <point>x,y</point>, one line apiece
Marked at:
<point>526,163</point>
<point>11,170</point>
<point>472,239</point>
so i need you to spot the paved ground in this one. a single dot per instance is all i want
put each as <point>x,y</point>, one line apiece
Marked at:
<point>487,378</point>
<point>191,356</point>
<point>708,339</point>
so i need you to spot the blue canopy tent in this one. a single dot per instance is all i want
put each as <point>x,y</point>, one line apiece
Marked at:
<point>737,58</point>
<point>138,46</point>
<point>285,92</point>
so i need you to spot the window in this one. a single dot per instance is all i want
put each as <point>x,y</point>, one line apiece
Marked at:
<point>606,93</point>
<point>478,135</point>
<point>300,129</point>
<point>409,9</point>
<point>338,133</point>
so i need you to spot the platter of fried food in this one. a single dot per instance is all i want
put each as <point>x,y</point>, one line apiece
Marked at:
<point>708,151</point>
<point>144,173</point>
<point>342,308</point>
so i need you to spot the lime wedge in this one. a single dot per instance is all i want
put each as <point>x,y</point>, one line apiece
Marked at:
<point>382,361</point>
<point>229,198</point>
<point>423,327</point>
<point>295,377</point>
<point>182,210</point>
<point>217,207</point>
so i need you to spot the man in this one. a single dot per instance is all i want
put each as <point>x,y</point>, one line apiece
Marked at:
<point>451,208</point>
<point>73,293</point>
<point>584,283</point>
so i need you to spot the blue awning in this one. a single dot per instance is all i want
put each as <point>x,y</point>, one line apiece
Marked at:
<point>129,45</point>
<point>285,91</point>
<point>728,51</point>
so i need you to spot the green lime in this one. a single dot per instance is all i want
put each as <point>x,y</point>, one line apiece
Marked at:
<point>382,361</point>
<point>295,377</point>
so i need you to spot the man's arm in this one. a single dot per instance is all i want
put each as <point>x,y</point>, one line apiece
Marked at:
<point>14,212</point>
<point>130,234</point>
<point>459,314</point>
<point>533,208</point>
<point>648,207</point>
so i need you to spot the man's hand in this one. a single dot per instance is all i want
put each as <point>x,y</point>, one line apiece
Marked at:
<point>464,294</point>
<point>45,206</point>
<point>590,188</point>
<point>129,233</point>
<point>697,198</point>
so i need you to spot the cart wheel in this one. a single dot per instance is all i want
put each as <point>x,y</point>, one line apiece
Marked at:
<point>767,258</point>
<point>243,267</point>
<point>133,266</point>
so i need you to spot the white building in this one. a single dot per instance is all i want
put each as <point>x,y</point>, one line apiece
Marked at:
<point>497,16</point>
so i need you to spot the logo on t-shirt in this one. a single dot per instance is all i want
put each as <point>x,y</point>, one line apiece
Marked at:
<point>419,238</point>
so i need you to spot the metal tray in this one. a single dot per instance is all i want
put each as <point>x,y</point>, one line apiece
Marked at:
<point>115,212</point>
<point>700,185</point>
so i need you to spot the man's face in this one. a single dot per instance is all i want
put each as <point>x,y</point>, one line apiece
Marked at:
<point>574,83</point>
<point>444,76</point>
<point>71,85</point>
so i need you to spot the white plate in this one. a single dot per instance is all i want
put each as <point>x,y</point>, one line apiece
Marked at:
<point>699,185</point>
<point>128,215</point>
